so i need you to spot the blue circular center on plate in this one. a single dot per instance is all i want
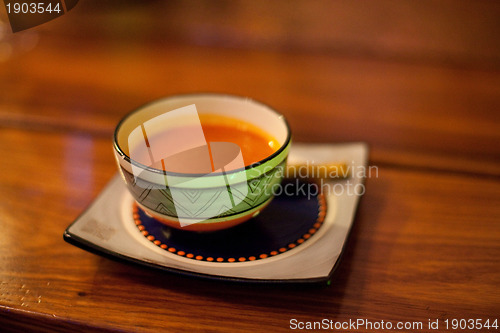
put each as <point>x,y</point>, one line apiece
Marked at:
<point>288,222</point>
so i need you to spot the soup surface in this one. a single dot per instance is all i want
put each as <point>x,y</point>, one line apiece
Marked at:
<point>254,143</point>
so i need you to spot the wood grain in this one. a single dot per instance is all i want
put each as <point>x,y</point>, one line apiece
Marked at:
<point>443,32</point>
<point>435,117</point>
<point>423,245</point>
<point>418,81</point>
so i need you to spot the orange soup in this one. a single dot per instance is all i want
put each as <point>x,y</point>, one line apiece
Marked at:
<point>255,144</point>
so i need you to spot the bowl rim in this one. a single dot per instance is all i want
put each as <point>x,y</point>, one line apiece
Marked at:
<point>127,158</point>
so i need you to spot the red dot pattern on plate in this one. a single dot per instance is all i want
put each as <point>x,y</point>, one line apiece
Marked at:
<point>319,222</point>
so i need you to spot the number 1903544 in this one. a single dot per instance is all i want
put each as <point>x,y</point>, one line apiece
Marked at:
<point>471,324</point>
<point>32,8</point>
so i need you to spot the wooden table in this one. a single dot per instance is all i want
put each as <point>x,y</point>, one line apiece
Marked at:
<point>426,240</point>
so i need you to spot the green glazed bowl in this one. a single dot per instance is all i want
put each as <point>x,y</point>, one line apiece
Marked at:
<point>199,202</point>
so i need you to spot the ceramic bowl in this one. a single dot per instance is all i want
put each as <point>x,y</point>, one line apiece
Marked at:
<point>199,202</point>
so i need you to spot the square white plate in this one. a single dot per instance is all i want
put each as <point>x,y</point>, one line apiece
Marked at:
<point>108,228</point>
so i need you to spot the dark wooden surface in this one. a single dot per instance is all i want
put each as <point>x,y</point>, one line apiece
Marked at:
<point>419,82</point>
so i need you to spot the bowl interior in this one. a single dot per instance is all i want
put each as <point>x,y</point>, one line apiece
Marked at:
<point>244,109</point>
